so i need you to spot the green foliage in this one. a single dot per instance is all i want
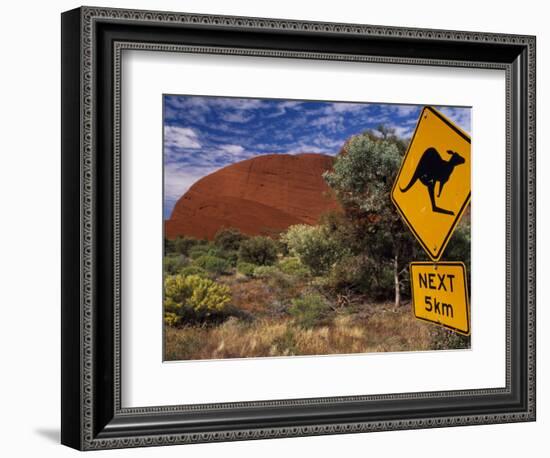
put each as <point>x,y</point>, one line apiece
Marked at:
<point>309,310</point>
<point>213,264</point>
<point>168,246</point>
<point>199,250</point>
<point>459,245</point>
<point>314,247</point>
<point>181,245</point>
<point>193,297</point>
<point>174,263</point>
<point>294,267</point>
<point>265,271</point>
<point>231,256</point>
<point>362,177</point>
<point>193,270</point>
<point>282,247</point>
<point>351,273</point>
<point>364,174</point>
<point>444,339</point>
<point>275,278</point>
<point>246,268</point>
<point>258,250</point>
<point>229,239</point>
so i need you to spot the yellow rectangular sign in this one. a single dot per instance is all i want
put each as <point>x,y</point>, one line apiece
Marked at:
<point>440,294</point>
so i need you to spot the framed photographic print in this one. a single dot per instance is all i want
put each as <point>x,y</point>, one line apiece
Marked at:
<point>278,228</point>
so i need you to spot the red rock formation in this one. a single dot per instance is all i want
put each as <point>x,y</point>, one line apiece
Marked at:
<point>263,195</point>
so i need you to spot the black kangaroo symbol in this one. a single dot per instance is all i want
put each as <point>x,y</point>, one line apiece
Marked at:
<point>431,169</point>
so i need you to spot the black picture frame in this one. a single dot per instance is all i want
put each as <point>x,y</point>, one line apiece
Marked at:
<point>92,416</point>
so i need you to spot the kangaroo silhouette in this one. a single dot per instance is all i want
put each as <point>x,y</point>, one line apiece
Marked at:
<point>432,169</point>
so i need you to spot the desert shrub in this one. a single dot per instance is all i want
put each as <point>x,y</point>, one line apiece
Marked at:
<point>314,247</point>
<point>213,264</point>
<point>168,246</point>
<point>174,263</point>
<point>265,271</point>
<point>309,310</point>
<point>193,297</point>
<point>258,250</point>
<point>181,245</point>
<point>229,239</point>
<point>193,270</point>
<point>282,247</point>
<point>231,256</point>
<point>274,277</point>
<point>349,273</point>
<point>199,250</point>
<point>246,268</point>
<point>293,266</point>
<point>171,319</point>
<point>444,339</point>
<point>363,275</point>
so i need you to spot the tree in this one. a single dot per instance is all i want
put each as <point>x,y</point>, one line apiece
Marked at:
<point>314,246</point>
<point>258,250</point>
<point>362,178</point>
<point>229,238</point>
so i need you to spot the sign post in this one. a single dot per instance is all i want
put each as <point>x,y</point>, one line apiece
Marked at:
<point>431,193</point>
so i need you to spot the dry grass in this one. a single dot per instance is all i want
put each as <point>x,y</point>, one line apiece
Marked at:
<point>383,331</point>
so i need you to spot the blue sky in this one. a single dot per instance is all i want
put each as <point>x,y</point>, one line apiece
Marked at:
<point>204,134</point>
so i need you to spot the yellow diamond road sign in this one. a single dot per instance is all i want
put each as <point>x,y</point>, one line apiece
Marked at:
<point>432,188</point>
<point>440,294</point>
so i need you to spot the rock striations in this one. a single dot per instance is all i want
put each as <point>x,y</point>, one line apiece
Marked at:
<point>259,196</point>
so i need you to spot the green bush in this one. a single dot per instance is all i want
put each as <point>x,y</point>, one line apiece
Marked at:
<point>193,270</point>
<point>168,246</point>
<point>444,339</point>
<point>294,267</point>
<point>314,247</point>
<point>275,278</point>
<point>193,297</point>
<point>309,310</point>
<point>349,273</point>
<point>181,245</point>
<point>199,250</point>
<point>258,250</point>
<point>213,264</point>
<point>229,239</point>
<point>362,275</point>
<point>173,264</point>
<point>246,268</point>
<point>231,256</point>
<point>265,271</point>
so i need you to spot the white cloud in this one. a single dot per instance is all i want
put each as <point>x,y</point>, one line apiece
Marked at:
<point>332,122</point>
<point>232,149</point>
<point>461,116</point>
<point>405,110</point>
<point>307,148</point>
<point>282,108</point>
<point>235,103</point>
<point>345,107</point>
<point>179,178</point>
<point>180,137</point>
<point>238,117</point>
<point>403,131</point>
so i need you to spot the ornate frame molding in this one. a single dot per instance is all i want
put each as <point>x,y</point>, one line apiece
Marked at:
<point>89,435</point>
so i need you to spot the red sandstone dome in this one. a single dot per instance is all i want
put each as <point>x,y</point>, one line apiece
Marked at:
<point>259,196</point>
